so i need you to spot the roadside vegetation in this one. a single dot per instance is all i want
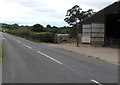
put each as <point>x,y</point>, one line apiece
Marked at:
<point>4,29</point>
<point>33,36</point>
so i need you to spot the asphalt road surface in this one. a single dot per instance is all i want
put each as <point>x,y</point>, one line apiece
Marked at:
<point>28,62</point>
<point>0,60</point>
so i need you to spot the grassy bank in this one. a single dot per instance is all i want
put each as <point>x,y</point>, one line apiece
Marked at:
<point>4,29</point>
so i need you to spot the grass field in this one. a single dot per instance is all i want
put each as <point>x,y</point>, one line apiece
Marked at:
<point>5,29</point>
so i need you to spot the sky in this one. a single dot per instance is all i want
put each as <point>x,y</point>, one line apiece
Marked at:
<point>44,12</point>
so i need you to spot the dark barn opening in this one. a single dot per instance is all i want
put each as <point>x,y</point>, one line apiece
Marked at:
<point>112,29</point>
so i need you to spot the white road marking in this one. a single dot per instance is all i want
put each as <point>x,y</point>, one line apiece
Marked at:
<point>23,39</point>
<point>3,38</point>
<point>9,36</point>
<point>14,38</point>
<point>95,82</point>
<point>18,41</point>
<point>50,57</point>
<point>27,46</point>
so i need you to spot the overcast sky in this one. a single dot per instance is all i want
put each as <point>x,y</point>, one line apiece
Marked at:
<point>30,12</point>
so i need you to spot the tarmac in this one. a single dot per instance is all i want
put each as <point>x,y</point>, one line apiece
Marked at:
<point>0,61</point>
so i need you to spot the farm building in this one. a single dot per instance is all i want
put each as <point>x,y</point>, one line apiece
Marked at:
<point>58,38</point>
<point>102,28</point>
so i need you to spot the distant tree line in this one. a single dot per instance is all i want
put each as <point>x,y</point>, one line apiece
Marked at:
<point>41,28</point>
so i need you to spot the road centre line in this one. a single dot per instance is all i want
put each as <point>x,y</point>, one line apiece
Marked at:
<point>95,82</point>
<point>43,54</point>
<point>18,41</point>
<point>50,57</point>
<point>27,46</point>
<point>14,38</point>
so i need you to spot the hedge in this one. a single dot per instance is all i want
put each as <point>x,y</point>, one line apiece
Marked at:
<point>41,36</point>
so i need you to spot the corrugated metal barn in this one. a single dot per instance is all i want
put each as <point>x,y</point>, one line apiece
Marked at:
<point>102,28</point>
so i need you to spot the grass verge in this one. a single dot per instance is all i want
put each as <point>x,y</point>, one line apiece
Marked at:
<point>4,29</point>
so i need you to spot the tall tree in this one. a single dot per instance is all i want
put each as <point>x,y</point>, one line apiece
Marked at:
<point>73,15</point>
<point>76,14</point>
<point>37,28</point>
<point>48,26</point>
<point>15,26</point>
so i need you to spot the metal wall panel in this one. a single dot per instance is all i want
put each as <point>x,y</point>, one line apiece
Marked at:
<point>86,30</point>
<point>97,33</point>
<point>97,25</point>
<point>98,30</point>
<point>86,34</point>
<point>97,39</point>
<point>86,26</point>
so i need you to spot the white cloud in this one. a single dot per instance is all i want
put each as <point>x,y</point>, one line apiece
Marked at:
<point>43,11</point>
<point>11,9</point>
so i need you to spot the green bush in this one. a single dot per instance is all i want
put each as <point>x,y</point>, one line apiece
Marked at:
<point>42,36</point>
<point>22,33</point>
<point>39,36</point>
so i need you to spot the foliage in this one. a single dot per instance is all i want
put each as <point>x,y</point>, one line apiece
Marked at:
<point>72,40</point>
<point>37,28</point>
<point>11,27</point>
<point>37,36</point>
<point>48,26</point>
<point>4,29</point>
<point>76,14</point>
<point>42,37</point>
<point>15,26</point>
<point>22,33</point>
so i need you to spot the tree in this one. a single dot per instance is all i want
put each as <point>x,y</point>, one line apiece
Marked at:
<point>73,15</point>
<point>11,27</point>
<point>55,27</point>
<point>76,14</point>
<point>15,26</point>
<point>37,28</point>
<point>48,26</point>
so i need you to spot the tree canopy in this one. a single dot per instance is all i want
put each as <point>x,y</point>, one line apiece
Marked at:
<point>48,26</point>
<point>37,28</point>
<point>77,14</point>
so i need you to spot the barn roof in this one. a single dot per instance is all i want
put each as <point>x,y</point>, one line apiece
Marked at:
<point>99,17</point>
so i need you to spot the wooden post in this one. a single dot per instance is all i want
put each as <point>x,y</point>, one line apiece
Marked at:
<point>77,37</point>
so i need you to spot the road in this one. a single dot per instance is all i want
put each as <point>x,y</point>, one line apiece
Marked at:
<point>28,62</point>
<point>0,59</point>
